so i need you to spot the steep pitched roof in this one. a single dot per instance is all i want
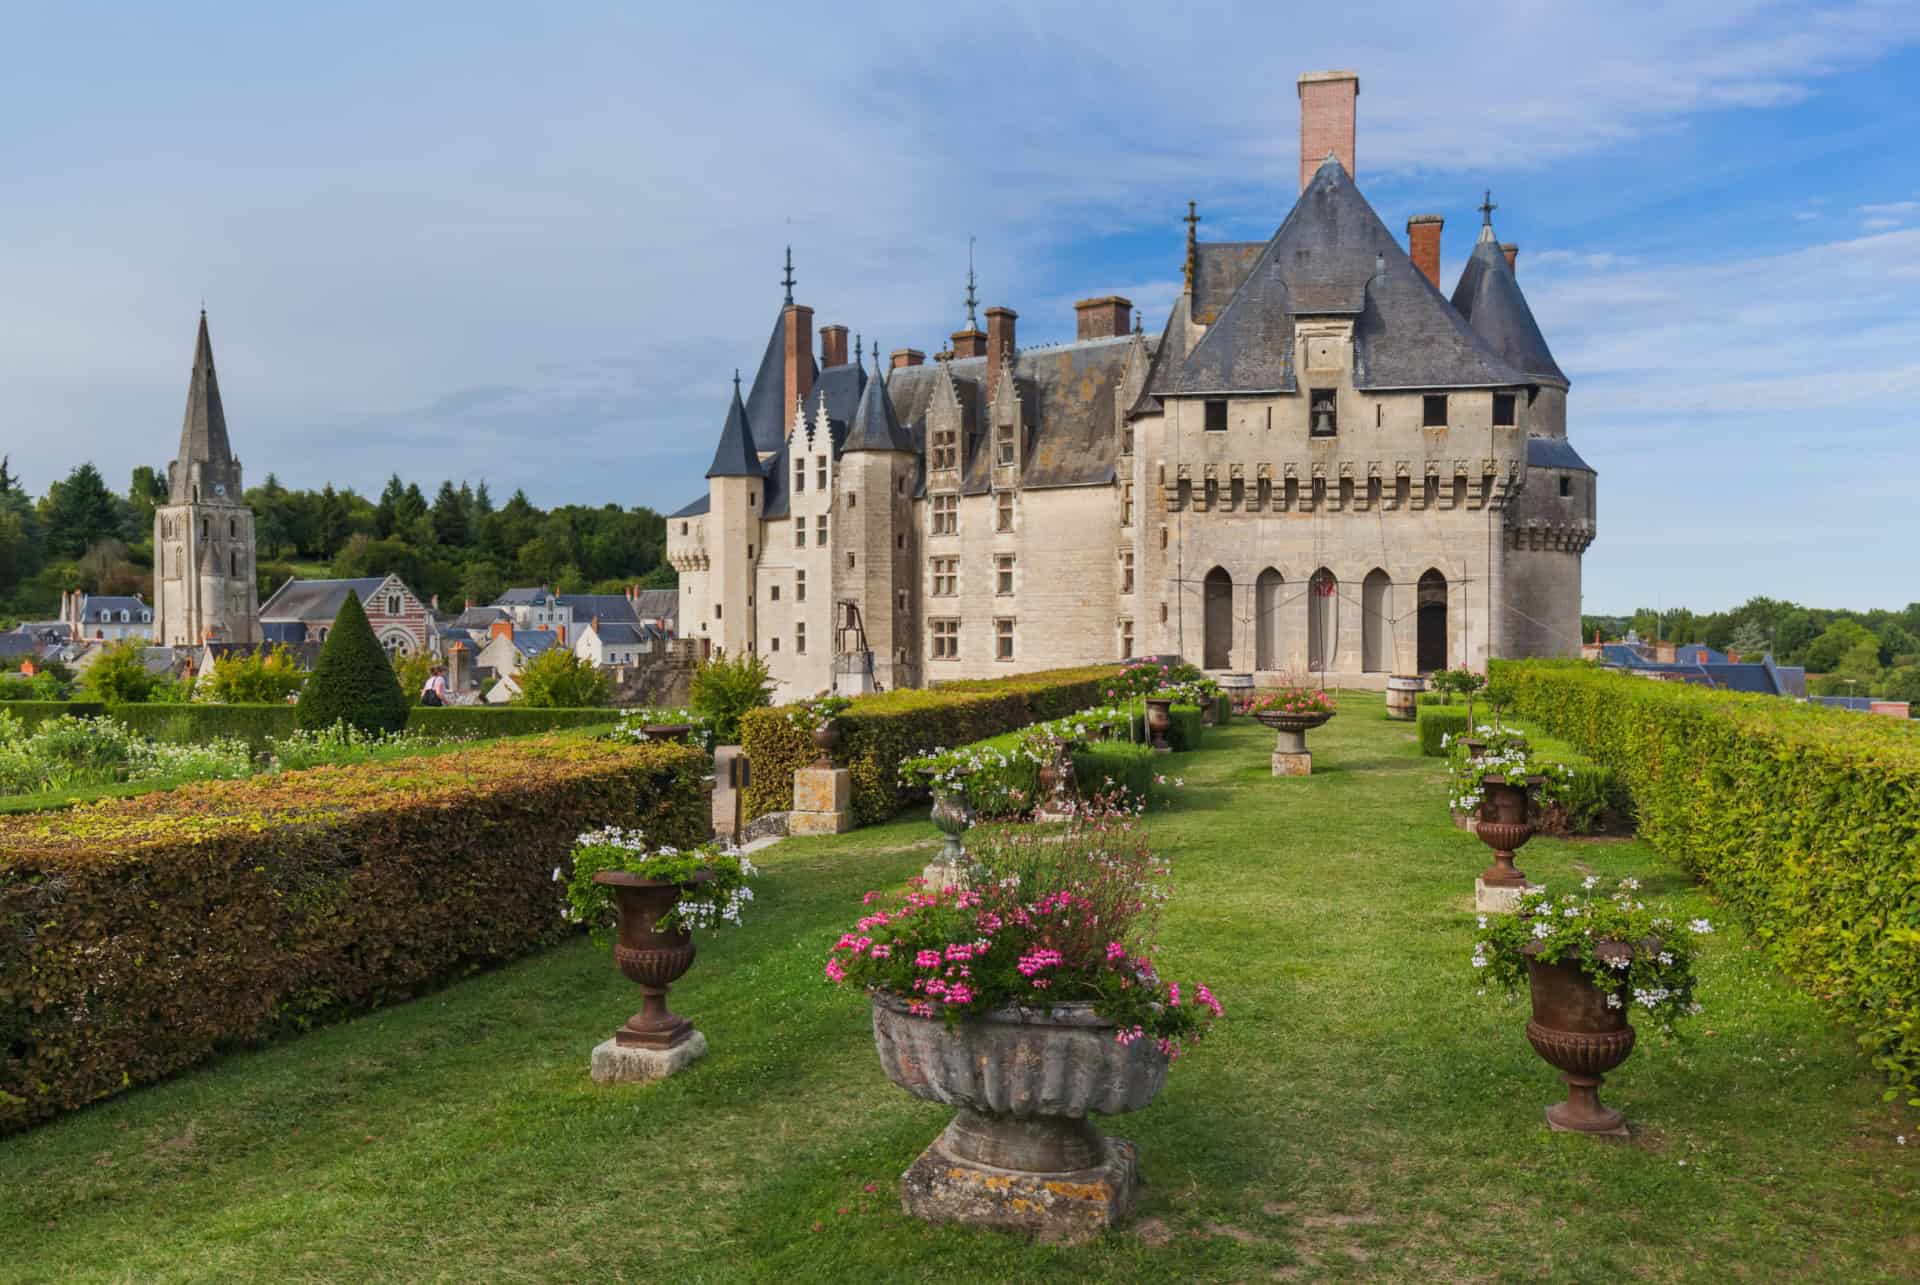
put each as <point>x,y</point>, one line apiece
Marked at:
<point>658,604</point>
<point>316,600</point>
<point>767,407</point>
<point>735,455</point>
<point>840,388</point>
<point>607,606</point>
<point>1331,257</point>
<point>203,433</point>
<point>1554,452</point>
<point>1489,297</point>
<point>695,508</point>
<point>875,427</point>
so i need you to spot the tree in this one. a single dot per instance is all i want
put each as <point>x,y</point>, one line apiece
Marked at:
<point>253,678</point>
<point>1792,635</point>
<point>353,681</point>
<point>79,513</point>
<point>724,688</point>
<point>145,492</point>
<point>330,521</point>
<point>1903,684</point>
<point>1824,654</point>
<point>1749,641</point>
<point>118,675</point>
<point>9,481</point>
<point>449,517</point>
<point>412,669</point>
<point>558,679</point>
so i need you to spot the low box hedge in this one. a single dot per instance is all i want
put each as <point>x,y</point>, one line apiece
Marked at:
<point>1104,764</point>
<point>138,937</point>
<point>199,722</point>
<point>1437,723</point>
<point>34,713</point>
<point>1805,819</point>
<point>880,732</point>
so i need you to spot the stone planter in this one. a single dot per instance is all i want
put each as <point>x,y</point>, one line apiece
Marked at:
<point>1159,719</point>
<point>952,817</point>
<point>1056,787</point>
<point>655,1042</point>
<point>1290,754</point>
<point>1021,1153</point>
<point>826,739</point>
<point>1403,696</point>
<point>1581,1036</point>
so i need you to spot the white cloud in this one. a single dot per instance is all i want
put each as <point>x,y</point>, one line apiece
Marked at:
<point>1887,214</point>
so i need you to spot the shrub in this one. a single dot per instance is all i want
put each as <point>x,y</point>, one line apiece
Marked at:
<point>1103,765</point>
<point>1185,729</point>
<point>484,722</point>
<point>880,732</point>
<point>253,678</point>
<point>724,688</point>
<point>140,936</point>
<point>1805,819</point>
<point>119,673</point>
<point>353,681</point>
<point>558,679</point>
<point>412,669</point>
<point>1437,723</point>
<point>189,724</point>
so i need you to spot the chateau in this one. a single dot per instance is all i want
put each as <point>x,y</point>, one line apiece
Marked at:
<point>1322,464</point>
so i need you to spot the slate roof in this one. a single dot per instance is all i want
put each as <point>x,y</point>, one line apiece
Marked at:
<point>735,455</point>
<point>875,426</point>
<point>531,642</point>
<point>693,508</point>
<point>623,633</point>
<point>767,410</point>
<point>658,604</point>
<point>523,597</point>
<point>1332,256</point>
<point>1554,452</point>
<point>607,606</point>
<point>316,600</point>
<point>94,604</point>
<point>1219,268</point>
<point>18,644</point>
<point>203,432</point>
<point>1488,296</point>
<point>840,389</point>
<point>283,631</point>
<point>1698,654</point>
<point>481,618</point>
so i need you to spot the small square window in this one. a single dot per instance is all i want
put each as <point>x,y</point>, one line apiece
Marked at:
<point>1216,417</point>
<point>1433,410</point>
<point>1566,486</point>
<point>1503,404</point>
<point>1324,415</point>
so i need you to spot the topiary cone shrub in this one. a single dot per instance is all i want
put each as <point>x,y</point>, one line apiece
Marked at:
<point>353,681</point>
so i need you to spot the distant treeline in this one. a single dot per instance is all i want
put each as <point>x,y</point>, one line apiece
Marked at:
<point>1859,653</point>
<point>80,534</point>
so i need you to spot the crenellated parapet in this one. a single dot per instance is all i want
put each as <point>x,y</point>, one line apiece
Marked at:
<point>1537,534</point>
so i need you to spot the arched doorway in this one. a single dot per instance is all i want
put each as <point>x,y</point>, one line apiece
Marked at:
<point>1323,620</point>
<point>1376,622</point>
<point>1266,622</point>
<point>1431,631</point>
<point>1218,651</point>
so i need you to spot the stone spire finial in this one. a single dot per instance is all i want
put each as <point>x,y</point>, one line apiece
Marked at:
<point>859,351</point>
<point>1193,242</point>
<point>972,321</point>
<point>1486,208</point>
<point>787,280</point>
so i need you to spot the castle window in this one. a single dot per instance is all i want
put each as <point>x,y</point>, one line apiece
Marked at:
<point>899,540</point>
<point>233,569</point>
<point>1003,439</point>
<point>946,640</point>
<point>774,644</point>
<point>799,533</point>
<point>1433,410</point>
<point>1003,639</point>
<point>683,528</point>
<point>1503,409</point>
<point>1216,417</point>
<point>799,586</point>
<point>1566,486</point>
<point>716,611</point>
<point>393,604</point>
<point>1126,504</point>
<point>820,471</point>
<point>900,601</point>
<point>1324,418</point>
<point>1126,571</point>
<point>820,530</point>
<point>800,637</point>
<point>1126,639</point>
<point>945,455</point>
<point>774,593</point>
<point>946,577</point>
<point>1003,574</point>
<point>749,553</point>
<point>1163,613</point>
<point>852,499</point>
<point>849,561</point>
<point>1003,513</point>
<point>799,476</point>
<point>1126,440</point>
<point>204,530</point>
<point>903,485</point>
<point>946,514</point>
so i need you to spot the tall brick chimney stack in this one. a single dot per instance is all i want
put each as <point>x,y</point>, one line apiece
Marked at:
<point>1423,245</point>
<point>798,319</point>
<point>908,357</point>
<point>1512,252</point>
<point>1103,318</point>
<point>1327,101</point>
<point>1000,343</point>
<point>969,343</point>
<point>833,346</point>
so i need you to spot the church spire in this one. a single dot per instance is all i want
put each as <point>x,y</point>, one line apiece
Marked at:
<point>735,456</point>
<point>204,469</point>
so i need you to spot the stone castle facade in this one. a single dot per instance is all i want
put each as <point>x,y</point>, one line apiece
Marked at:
<point>1322,464</point>
<point>203,539</point>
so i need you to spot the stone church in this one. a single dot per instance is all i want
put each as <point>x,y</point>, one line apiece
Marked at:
<point>203,544</point>
<point>1321,465</point>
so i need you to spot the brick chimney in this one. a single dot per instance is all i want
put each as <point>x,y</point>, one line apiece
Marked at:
<point>1000,343</point>
<point>500,629</point>
<point>560,635</point>
<point>1512,252</point>
<point>798,319</point>
<point>969,343</point>
<point>459,667</point>
<point>1103,318</point>
<point>833,346</point>
<point>1423,245</point>
<point>908,357</point>
<point>1327,100</point>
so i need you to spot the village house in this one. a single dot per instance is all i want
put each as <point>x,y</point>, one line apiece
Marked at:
<point>303,611</point>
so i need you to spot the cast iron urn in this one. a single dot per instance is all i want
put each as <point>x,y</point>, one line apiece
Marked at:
<point>1580,1035</point>
<point>650,958</point>
<point>1505,824</point>
<point>1159,719</point>
<point>826,739</point>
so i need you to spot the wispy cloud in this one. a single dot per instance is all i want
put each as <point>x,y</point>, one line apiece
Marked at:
<point>1887,214</point>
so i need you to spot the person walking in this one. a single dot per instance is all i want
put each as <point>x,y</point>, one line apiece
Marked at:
<point>435,691</point>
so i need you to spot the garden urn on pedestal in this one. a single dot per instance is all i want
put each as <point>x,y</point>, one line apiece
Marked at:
<point>676,733</point>
<point>1290,754</point>
<point>952,818</point>
<point>826,739</point>
<point>1056,785</point>
<point>1021,1153</point>
<point>655,1042</point>
<point>1159,719</point>
<point>1581,1035</point>
<point>1505,825</point>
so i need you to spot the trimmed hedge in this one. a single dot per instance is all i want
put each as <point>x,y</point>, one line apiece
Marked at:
<point>1437,721</point>
<point>483,721</point>
<point>880,732</point>
<point>1185,731</point>
<point>1806,819</point>
<point>196,723</point>
<point>1122,762</point>
<point>34,713</point>
<point>138,937</point>
<point>353,680</point>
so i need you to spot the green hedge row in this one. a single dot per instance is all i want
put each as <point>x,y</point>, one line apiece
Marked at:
<point>880,732</point>
<point>1123,763</point>
<point>141,936</point>
<point>1436,722</point>
<point>190,724</point>
<point>1806,819</point>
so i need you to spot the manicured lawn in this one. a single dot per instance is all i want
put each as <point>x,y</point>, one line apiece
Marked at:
<point>1361,1115</point>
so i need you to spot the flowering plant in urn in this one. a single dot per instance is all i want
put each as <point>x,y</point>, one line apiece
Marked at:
<point>713,881</point>
<point>1294,698</point>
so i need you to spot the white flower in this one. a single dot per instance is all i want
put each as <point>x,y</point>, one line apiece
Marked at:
<point>1483,921</point>
<point>1631,885</point>
<point>1613,1001</point>
<point>1590,882</point>
<point>1479,961</point>
<point>556,874</point>
<point>1571,912</point>
<point>1542,929</point>
<point>1699,926</point>
<point>1666,957</point>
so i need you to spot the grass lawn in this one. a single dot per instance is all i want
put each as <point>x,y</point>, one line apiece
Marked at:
<point>1360,1115</point>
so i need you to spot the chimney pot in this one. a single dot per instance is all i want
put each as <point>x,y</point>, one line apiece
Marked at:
<point>1327,101</point>
<point>970,342</point>
<point>1512,251</point>
<point>1000,343</point>
<point>1423,245</point>
<point>798,323</point>
<point>1103,318</point>
<point>833,345</point>
<point>908,357</point>
<point>500,629</point>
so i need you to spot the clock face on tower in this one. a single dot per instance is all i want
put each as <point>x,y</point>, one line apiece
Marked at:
<point>219,488</point>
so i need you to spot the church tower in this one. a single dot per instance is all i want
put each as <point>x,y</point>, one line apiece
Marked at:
<point>203,544</point>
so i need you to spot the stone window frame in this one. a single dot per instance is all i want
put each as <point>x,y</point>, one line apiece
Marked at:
<point>1506,410</point>
<point>1004,628</point>
<point>1213,415</point>
<point>799,474</point>
<point>799,637</point>
<point>1432,405</point>
<point>1126,637</point>
<point>950,574</point>
<point>820,530</point>
<point>1126,504</point>
<point>820,472</point>
<point>945,449</point>
<point>800,585</point>
<point>944,637</point>
<point>800,533</point>
<point>1003,517</point>
<point>944,513</point>
<point>1126,570</point>
<point>1003,573</point>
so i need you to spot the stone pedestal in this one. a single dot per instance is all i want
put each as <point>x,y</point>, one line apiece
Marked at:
<point>943,874</point>
<point>822,801</point>
<point>1288,763</point>
<point>615,1063</point>
<point>1499,898</point>
<point>729,791</point>
<point>1054,1207</point>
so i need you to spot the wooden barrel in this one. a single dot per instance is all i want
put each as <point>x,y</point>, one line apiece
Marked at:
<point>1403,694</point>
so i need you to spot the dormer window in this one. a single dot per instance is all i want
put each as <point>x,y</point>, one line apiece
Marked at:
<point>1433,412</point>
<point>1216,417</point>
<point>945,454</point>
<point>1503,410</point>
<point>1004,444</point>
<point>1324,418</point>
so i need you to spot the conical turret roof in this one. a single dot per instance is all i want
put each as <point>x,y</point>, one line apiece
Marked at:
<point>1489,297</point>
<point>735,456</point>
<point>875,427</point>
<point>203,434</point>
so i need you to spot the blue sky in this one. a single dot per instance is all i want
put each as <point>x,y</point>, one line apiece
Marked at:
<point>531,243</point>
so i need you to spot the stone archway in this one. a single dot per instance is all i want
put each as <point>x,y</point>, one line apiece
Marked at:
<point>1267,591</point>
<point>1376,622</point>
<point>1217,652</point>
<point>1323,620</point>
<point>1430,644</point>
